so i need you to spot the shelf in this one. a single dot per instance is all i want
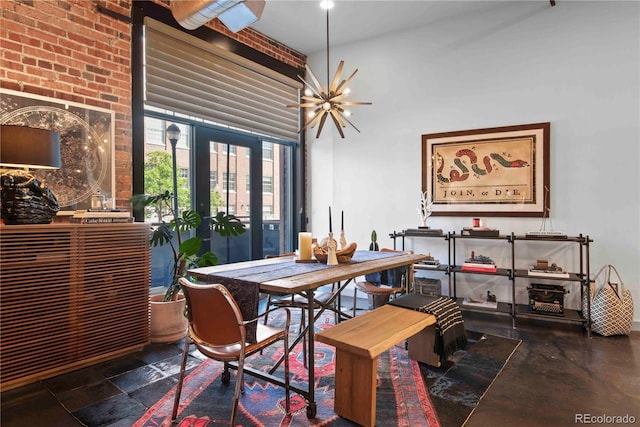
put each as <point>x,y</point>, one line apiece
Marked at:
<point>451,270</point>
<point>499,272</point>
<point>572,316</point>
<point>573,277</point>
<point>465,236</point>
<point>503,307</point>
<point>575,239</point>
<point>442,267</point>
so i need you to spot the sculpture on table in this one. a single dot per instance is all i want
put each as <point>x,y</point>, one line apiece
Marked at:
<point>424,209</point>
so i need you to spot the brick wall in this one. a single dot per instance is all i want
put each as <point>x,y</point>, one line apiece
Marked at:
<point>68,50</point>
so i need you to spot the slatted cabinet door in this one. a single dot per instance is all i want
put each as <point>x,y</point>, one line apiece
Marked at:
<point>71,295</point>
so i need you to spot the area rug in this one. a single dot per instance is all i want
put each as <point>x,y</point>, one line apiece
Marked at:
<point>408,394</point>
<point>457,387</point>
<point>401,394</point>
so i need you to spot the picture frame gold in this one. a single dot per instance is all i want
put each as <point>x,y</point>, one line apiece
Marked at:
<point>498,171</point>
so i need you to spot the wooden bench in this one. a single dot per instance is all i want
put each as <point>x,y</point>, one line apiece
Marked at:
<point>359,342</point>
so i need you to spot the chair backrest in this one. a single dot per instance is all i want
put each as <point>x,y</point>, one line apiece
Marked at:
<point>214,316</point>
<point>395,277</point>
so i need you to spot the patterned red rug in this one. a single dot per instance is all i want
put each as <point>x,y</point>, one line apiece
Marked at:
<point>402,398</point>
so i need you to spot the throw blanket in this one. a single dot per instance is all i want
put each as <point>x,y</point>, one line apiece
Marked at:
<point>450,335</point>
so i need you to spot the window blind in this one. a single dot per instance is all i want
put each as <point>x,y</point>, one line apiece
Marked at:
<point>190,76</point>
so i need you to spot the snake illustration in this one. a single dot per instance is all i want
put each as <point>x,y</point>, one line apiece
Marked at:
<point>463,172</point>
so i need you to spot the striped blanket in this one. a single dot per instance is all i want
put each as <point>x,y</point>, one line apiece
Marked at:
<point>450,335</point>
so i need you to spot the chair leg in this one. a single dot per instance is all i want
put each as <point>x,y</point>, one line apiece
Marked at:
<point>355,300</point>
<point>238,388</point>
<point>267,309</point>
<point>183,365</point>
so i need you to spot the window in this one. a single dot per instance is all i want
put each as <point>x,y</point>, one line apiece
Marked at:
<point>267,185</point>
<point>184,173</point>
<point>248,178</point>
<point>213,147</point>
<point>267,150</point>
<point>213,178</point>
<point>229,149</point>
<point>229,181</point>
<point>154,131</point>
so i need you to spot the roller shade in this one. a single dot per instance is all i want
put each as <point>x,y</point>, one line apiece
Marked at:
<point>190,76</point>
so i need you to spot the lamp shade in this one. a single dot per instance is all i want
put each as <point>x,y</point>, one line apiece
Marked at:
<point>22,146</point>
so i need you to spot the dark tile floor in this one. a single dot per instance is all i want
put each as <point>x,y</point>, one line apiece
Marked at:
<point>557,376</point>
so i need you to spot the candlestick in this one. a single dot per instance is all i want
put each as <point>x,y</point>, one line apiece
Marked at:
<point>330,228</point>
<point>332,245</point>
<point>343,240</point>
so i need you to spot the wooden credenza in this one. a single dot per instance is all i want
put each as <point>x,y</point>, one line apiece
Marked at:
<point>71,295</point>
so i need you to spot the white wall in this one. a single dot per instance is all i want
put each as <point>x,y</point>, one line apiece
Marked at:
<point>576,65</point>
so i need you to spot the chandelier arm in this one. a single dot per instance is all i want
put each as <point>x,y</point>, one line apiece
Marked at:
<point>322,121</point>
<point>351,123</point>
<point>336,78</point>
<point>337,123</point>
<point>355,103</point>
<point>314,121</point>
<point>346,81</point>
<point>316,87</point>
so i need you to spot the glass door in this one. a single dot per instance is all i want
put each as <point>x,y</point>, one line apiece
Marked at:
<point>246,176</point>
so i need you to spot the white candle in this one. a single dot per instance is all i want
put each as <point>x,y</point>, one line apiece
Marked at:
<point>304,246</point>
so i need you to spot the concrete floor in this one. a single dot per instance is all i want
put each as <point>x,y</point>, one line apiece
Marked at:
<point>557,377</point>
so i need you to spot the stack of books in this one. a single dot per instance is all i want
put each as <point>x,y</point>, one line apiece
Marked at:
<point>480,263</point>
<point>544,269</point>
<point>475,266</point>
<point>430,262</point>
<point>480,232</point>
<point>103,216</point>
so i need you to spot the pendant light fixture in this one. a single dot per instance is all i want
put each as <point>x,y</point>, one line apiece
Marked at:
<point>329,102</point>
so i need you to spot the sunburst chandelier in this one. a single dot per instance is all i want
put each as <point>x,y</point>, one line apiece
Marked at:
<point>329,102</point>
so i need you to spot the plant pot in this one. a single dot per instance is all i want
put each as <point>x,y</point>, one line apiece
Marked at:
<point>168,322</point>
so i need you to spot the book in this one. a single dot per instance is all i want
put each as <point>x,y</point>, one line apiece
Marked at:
<point>543,273</point>
<point>480,232</point>
<point>105,220</point>
<point>424,231</point>
<point>473,266</point>
<point>115,213</point>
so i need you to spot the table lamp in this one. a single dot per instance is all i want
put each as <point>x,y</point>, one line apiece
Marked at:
<point>25,200</point>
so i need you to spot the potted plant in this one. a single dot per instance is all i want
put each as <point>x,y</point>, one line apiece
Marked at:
<point>168,322</point>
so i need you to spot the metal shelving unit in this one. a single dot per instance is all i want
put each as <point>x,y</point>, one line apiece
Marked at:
<point>581,276</point>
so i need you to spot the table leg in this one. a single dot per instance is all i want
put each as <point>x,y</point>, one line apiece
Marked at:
<point>311,403</point>
<point>355,388</point>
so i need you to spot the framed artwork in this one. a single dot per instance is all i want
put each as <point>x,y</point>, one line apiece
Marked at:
<point>502,171</point>
<point>86,145</point>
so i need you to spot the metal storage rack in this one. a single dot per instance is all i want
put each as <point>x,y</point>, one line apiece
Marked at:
<point>511,273</point>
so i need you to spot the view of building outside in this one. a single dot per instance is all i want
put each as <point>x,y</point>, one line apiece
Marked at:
<point>229,186</point>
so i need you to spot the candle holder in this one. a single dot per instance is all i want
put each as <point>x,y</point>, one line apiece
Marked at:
<point>321,252</point>
<point>343,240</point>
<point>332,247</point>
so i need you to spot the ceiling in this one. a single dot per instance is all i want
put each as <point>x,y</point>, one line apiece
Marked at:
<point>301,24</point>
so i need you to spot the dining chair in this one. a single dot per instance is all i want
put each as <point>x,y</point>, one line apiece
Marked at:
<point>320,299</point>
<point>218,330</point>
<point>384,285</point>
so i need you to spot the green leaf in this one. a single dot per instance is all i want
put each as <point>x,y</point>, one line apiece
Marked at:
<point>227,225</point>
<point>190,246</point>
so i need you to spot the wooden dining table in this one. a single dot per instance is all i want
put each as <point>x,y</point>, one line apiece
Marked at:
<point>284,276</point>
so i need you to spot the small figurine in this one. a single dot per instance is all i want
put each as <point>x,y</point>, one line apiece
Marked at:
<point>424,208</point>
<point>491,297</point>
